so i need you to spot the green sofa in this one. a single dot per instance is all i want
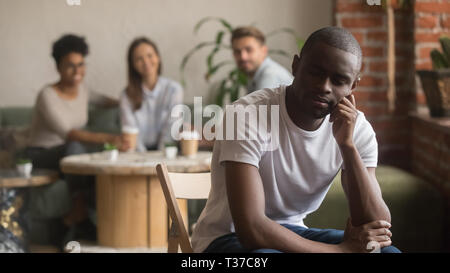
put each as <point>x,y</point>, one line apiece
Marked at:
<point>417,209</point>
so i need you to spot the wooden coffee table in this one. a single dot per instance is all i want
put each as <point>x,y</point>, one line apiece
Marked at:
<point>131,209</point>
<point>12,179</point>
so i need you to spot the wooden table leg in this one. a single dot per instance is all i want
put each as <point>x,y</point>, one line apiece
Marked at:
<point>132,212</point>
<point>157,211</point>
<point>122,211</point>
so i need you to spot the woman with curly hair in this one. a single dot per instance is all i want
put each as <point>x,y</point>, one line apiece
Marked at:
<point>57,130</point>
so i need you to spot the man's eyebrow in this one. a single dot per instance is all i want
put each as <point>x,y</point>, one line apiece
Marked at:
<point>344,76</point>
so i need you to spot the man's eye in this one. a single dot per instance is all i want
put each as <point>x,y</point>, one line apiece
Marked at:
<point>340,81</point>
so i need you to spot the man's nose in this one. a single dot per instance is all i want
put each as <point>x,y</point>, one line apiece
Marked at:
<point>243,56</point>
<point>324,84</point>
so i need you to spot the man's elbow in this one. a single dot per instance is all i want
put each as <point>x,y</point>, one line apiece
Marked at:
<point>382,213</point>
<point>387,215</point>
<point>250,235</point>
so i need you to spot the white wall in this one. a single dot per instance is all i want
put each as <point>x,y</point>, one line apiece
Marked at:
<point>29,27</point>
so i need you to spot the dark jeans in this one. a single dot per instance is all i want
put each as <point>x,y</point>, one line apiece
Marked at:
<point>230,243</point>
<point>49,158</point>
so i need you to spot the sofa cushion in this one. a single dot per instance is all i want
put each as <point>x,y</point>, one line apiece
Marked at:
<point>16,116</point>
<point>12,142</point>
<point>105,120</point>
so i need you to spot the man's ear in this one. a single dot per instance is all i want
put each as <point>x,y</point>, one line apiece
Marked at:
<point>265,50</point>
<point>295,64</point>
<point>356,82</point>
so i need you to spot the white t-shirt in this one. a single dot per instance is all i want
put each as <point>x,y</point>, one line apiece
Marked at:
<point>296,176</point>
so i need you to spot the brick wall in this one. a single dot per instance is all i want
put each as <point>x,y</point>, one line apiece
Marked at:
<point>430,137</point>
<point>431,157</point>
<point>431,150</point>
<point>369,26</point>
<point>432,19</point>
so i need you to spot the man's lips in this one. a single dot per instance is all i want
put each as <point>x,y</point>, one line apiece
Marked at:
<point>320,102</point>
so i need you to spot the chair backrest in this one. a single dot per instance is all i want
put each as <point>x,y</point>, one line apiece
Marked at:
<point>181,186</point>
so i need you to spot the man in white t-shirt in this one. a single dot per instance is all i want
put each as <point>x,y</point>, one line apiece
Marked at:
<point>263,187</point>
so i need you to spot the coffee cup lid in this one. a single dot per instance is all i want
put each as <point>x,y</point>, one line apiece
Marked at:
<point>190,135</point>
<point>130,130</point>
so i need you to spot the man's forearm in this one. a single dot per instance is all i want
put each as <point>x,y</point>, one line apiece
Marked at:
<point>363,192</point>
<point>269,234</point>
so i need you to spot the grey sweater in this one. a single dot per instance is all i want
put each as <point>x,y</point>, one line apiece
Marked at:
<point>54,117</point>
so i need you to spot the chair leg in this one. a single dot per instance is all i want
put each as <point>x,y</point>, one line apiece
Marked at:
<point>173,239</point>
<point>173,245</point>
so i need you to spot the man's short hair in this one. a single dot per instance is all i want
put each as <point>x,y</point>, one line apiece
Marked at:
<point>335,37</point>
<point>249,31</point>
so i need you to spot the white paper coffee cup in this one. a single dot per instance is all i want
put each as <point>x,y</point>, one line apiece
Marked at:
<point>130,134</point>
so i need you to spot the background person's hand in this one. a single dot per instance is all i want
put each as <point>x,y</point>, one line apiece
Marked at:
<point>121,143</point>
<point>367,237</point>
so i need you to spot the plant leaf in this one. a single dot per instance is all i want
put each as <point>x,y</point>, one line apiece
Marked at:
<point>282,30</point>
<point>234,92</point>
<point>188,56</point>
<point>206,19</point>
<point>215,68</point>
<point>438,59</point>
<point>242,78</point>
<point>445,44</point>
<point>222,92</point>
<point>300,44</point>
<point>209,59</point>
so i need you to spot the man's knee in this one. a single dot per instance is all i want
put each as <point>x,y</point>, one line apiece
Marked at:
<point>390,249</point>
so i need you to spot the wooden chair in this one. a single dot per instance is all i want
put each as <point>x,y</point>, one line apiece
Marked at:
<point>181,186</point>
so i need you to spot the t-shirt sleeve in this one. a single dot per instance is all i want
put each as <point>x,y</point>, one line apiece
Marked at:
<point>243,151</point>
<point>248,150</point>
<point>52,117</point>
<point>366,141</point>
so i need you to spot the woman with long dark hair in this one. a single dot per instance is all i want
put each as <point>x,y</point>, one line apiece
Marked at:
<point>147,101</point>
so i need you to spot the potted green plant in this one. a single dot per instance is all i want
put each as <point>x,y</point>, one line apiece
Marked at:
<point>234,80</point>
<point>110,151</point>
<point>436,82</point>
<point>24,167</point>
